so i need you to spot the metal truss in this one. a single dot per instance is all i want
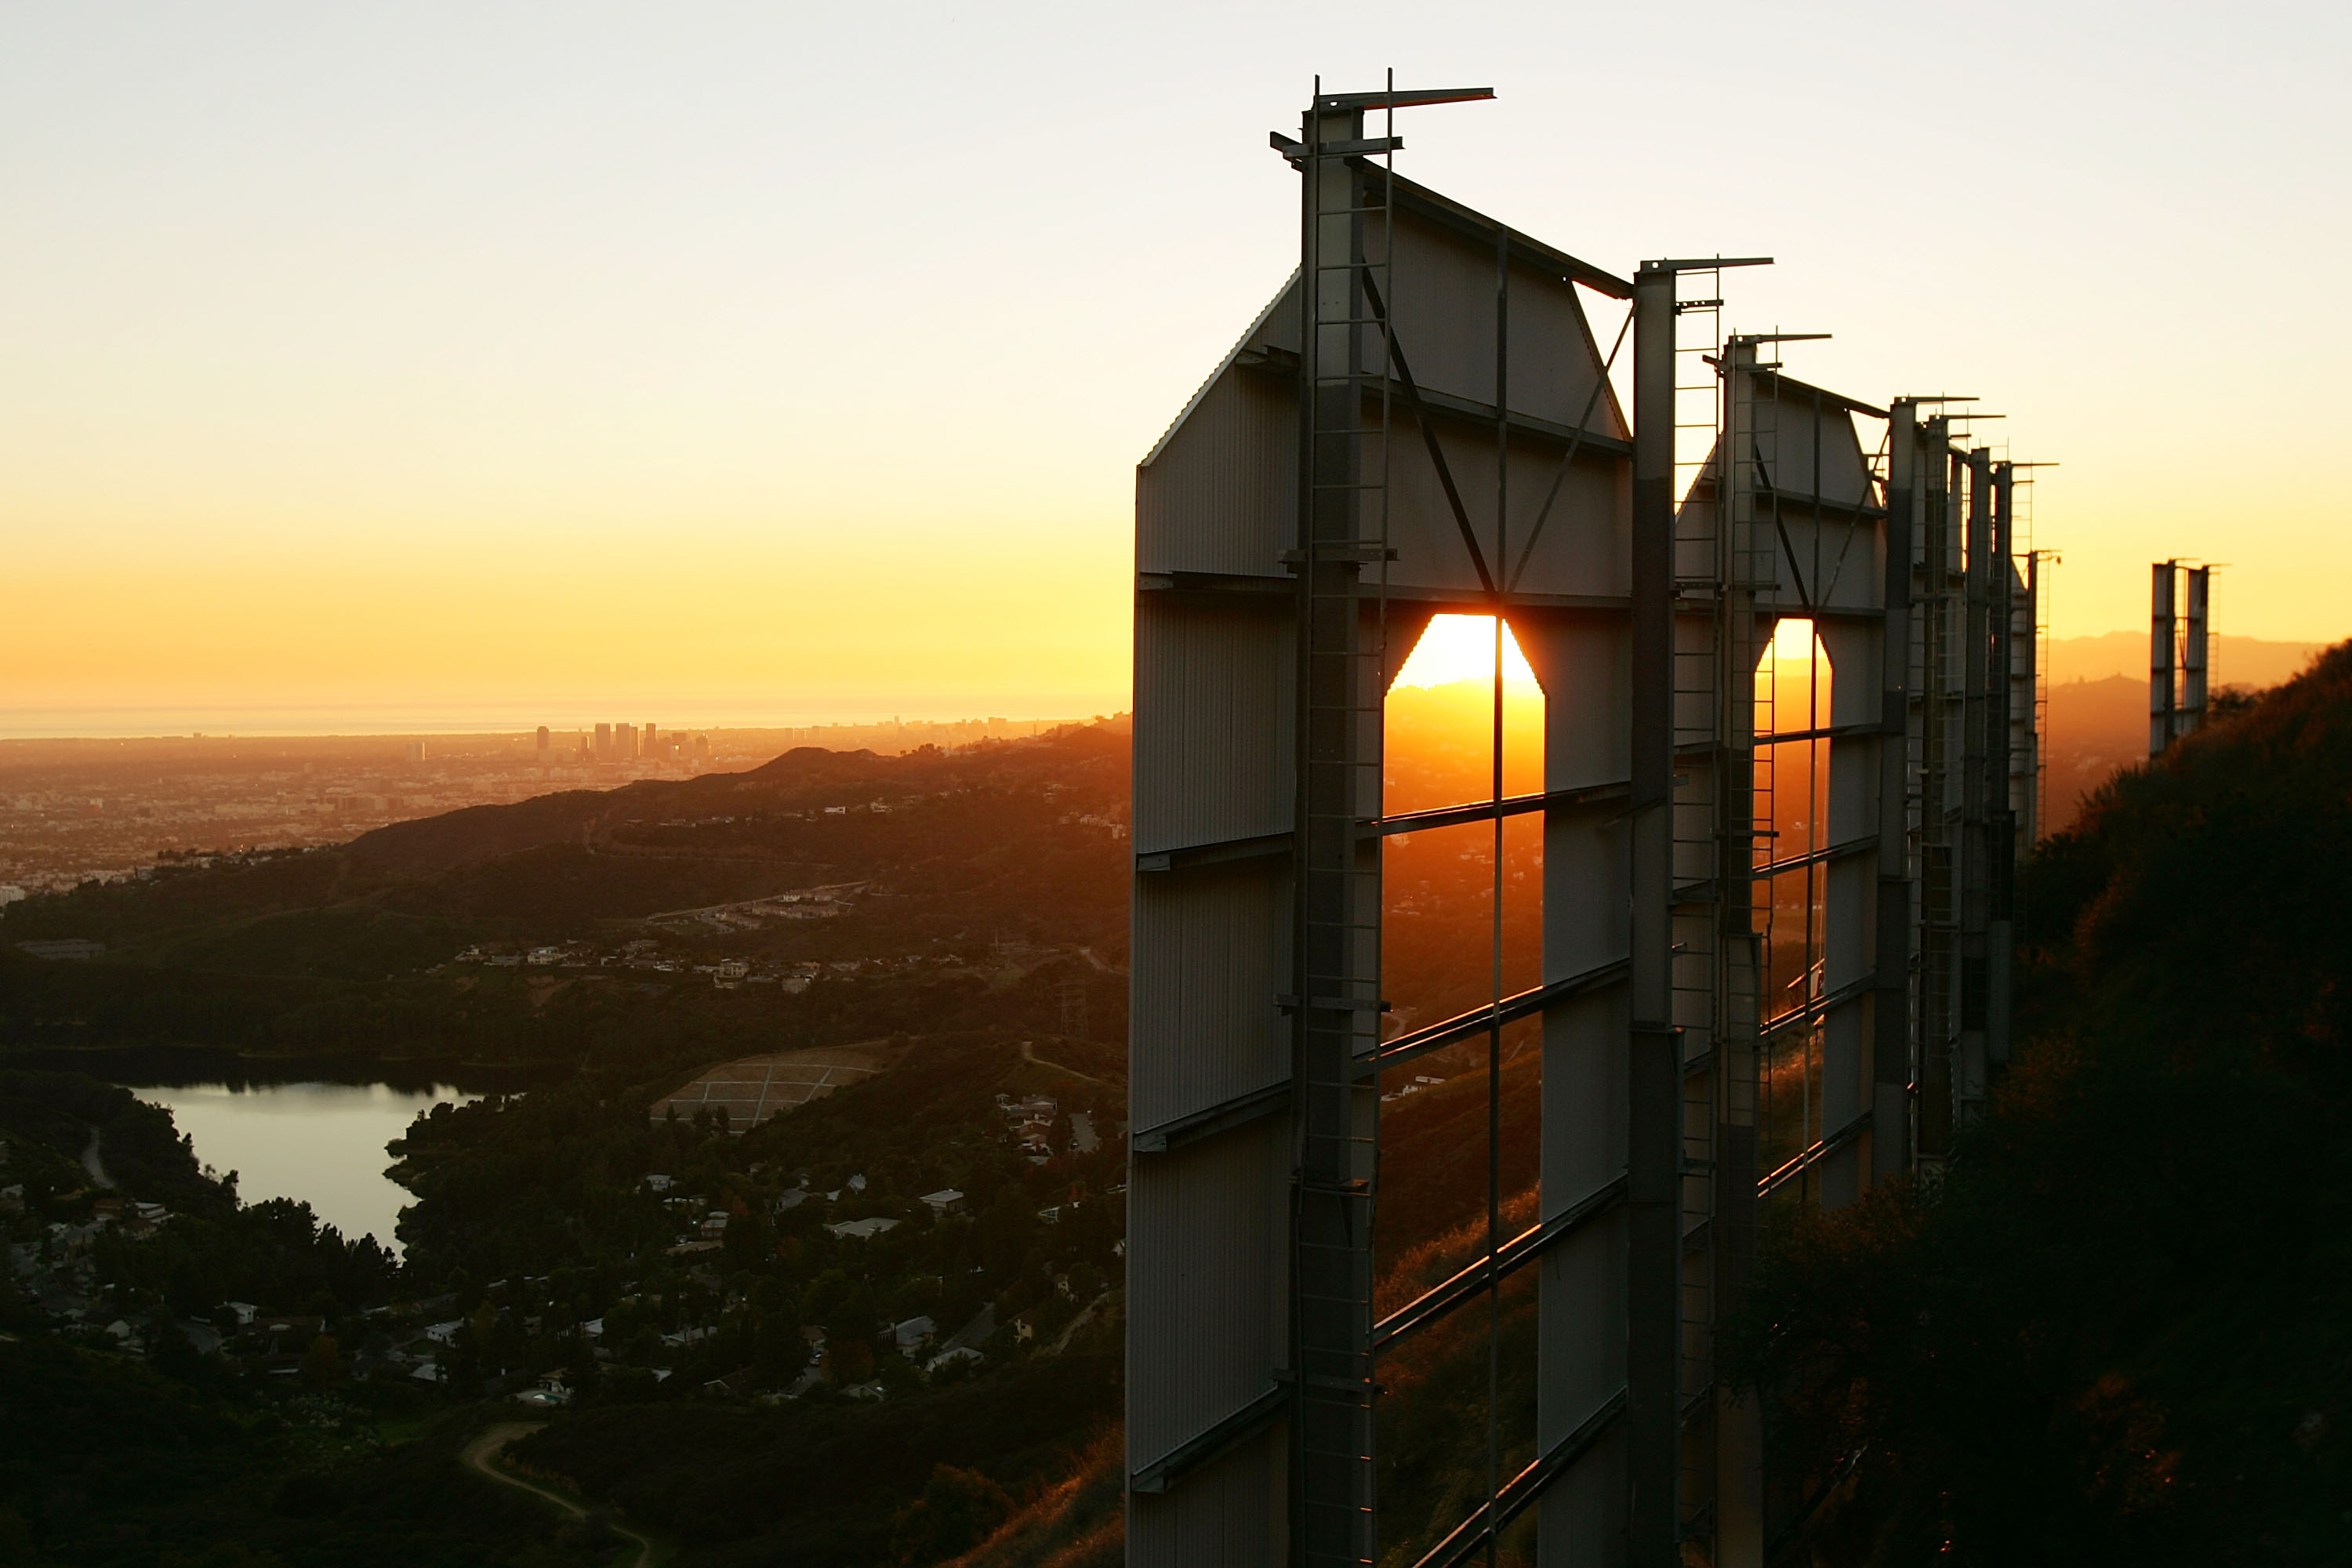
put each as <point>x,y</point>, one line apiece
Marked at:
<point>1775,944</point>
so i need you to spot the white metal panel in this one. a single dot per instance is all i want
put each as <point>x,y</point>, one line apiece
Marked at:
<point>1232,1511</point>
<point>1444,316</point>
<point>1205,1284</point>
<point>1210,955</point>
<point>1213,689</point>
<point>1221,494</point>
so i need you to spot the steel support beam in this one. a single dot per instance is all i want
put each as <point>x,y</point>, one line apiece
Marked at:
<point>2001,782</point>
<point>1976,791</point>
<point>2193,649</point>
<point>1265,617</point>
<point>2162,623</point>
<point>1939,807</point>
<point>1335,973</point>
<point>1892,1017</point>
<point>1654,1137</point>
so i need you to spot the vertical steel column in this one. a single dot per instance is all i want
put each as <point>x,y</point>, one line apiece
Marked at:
<point>2193,652</point>
<point>2160,627</point>
<point>1337,977</point>
<point>1891,1066</point>
<point>1938,927</point>
<point>2000,784</point>
<point>1742,567</point>
<point>1654,1137</point>
<point>1976,788</point>
<point>2029,832</point>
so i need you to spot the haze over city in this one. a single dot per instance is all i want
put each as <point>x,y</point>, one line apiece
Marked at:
<point>483,366</point>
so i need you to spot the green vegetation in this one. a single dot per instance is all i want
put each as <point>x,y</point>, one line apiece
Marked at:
<point>213,1248</point>
<point>559,1265</point>
<point>2115,1335</point>
<point>706,1353</point>
<point>108,1464</point>
<point>965,862</point>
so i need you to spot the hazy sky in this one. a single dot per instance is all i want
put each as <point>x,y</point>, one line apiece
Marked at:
<point>538,360</point>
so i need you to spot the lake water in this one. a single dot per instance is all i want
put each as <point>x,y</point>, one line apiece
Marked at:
<point>320,1142</point>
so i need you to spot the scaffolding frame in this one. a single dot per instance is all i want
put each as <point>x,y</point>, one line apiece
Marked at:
<point>1680,993</point>
<point>2179,644</point>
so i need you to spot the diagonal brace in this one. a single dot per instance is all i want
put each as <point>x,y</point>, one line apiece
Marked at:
<point>1429,436</point>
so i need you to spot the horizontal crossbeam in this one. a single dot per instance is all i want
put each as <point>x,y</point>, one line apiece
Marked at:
<point>1219,1440</point>
<point>1876,728</point>
<point>1221,850</point>
<point>1523,1488</point>
<point>1467,1026</point>
<point>1813,1157</point>
<point>1208,1121</point>
<point>1509,806</point>
<point>1284,362</point>
<point>1813,1009</point>
<point>1528,1244</point>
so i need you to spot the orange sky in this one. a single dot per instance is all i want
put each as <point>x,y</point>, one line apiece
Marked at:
<point>523,362</point>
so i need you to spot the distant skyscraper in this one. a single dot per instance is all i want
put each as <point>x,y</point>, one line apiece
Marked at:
<point>625,742</point>
<point>702,751</point>
<point>603,742</point>
<point>545,745</point>
<point>646,746</point>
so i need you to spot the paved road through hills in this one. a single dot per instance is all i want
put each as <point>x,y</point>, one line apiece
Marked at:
<point>481,1456</point>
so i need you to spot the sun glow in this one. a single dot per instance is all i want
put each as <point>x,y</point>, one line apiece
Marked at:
<point>1792,640</point>
<point>1462,648</point>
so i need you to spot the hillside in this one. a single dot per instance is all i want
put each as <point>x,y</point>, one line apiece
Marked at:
<point>2115,1336</point>
<point>819,873</point>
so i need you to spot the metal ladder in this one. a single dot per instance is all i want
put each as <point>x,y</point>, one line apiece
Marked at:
<point>1941,637</point>
<point>1345,351</point>
<point>1704,695</point>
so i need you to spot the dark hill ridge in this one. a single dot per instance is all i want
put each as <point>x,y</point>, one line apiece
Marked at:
<point>557,860</point>
<point>802,777</point>
<point>954,875</point>
<point>2117,1333</point>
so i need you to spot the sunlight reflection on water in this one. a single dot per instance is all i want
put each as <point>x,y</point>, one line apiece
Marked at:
<point>320,1142</point>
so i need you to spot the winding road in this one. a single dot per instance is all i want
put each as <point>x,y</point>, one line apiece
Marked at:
<point>481,1456</point>
<point>92,1163</point>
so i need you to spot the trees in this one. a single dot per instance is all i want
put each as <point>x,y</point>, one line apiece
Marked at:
<point>2110,1336</point>
<point>958,1509</point>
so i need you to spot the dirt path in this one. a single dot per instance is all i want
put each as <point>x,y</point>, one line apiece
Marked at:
<point>1027,1055</point>
<point>481,1456</point>
<point>93,1165</point>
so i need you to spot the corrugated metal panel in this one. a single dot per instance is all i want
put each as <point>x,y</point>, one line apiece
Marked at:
<point>1210,955</point>
<point>1223,497</point>
<point>1212,696</point>
<point>1584,663</point>
<point>1205,1303</point>
<point>1231,1512</point>
<point>1444,314</point>
<point>1581,550</point>
<point>1581,1522</point>
<point>1581,1325</point>
<point>1277,323</point>
<point>1786,433</point>
<point>1586,545</point>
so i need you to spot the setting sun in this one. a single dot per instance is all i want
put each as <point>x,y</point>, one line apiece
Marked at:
<point>1462,648</point>
<point>1792,640</point>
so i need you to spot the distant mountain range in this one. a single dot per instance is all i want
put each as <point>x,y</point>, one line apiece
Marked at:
<point>2237,662</point>
<point>2097,720</point>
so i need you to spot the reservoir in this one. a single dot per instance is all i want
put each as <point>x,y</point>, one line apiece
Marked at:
<point>308,1127</point>
<point>321,1144</point>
